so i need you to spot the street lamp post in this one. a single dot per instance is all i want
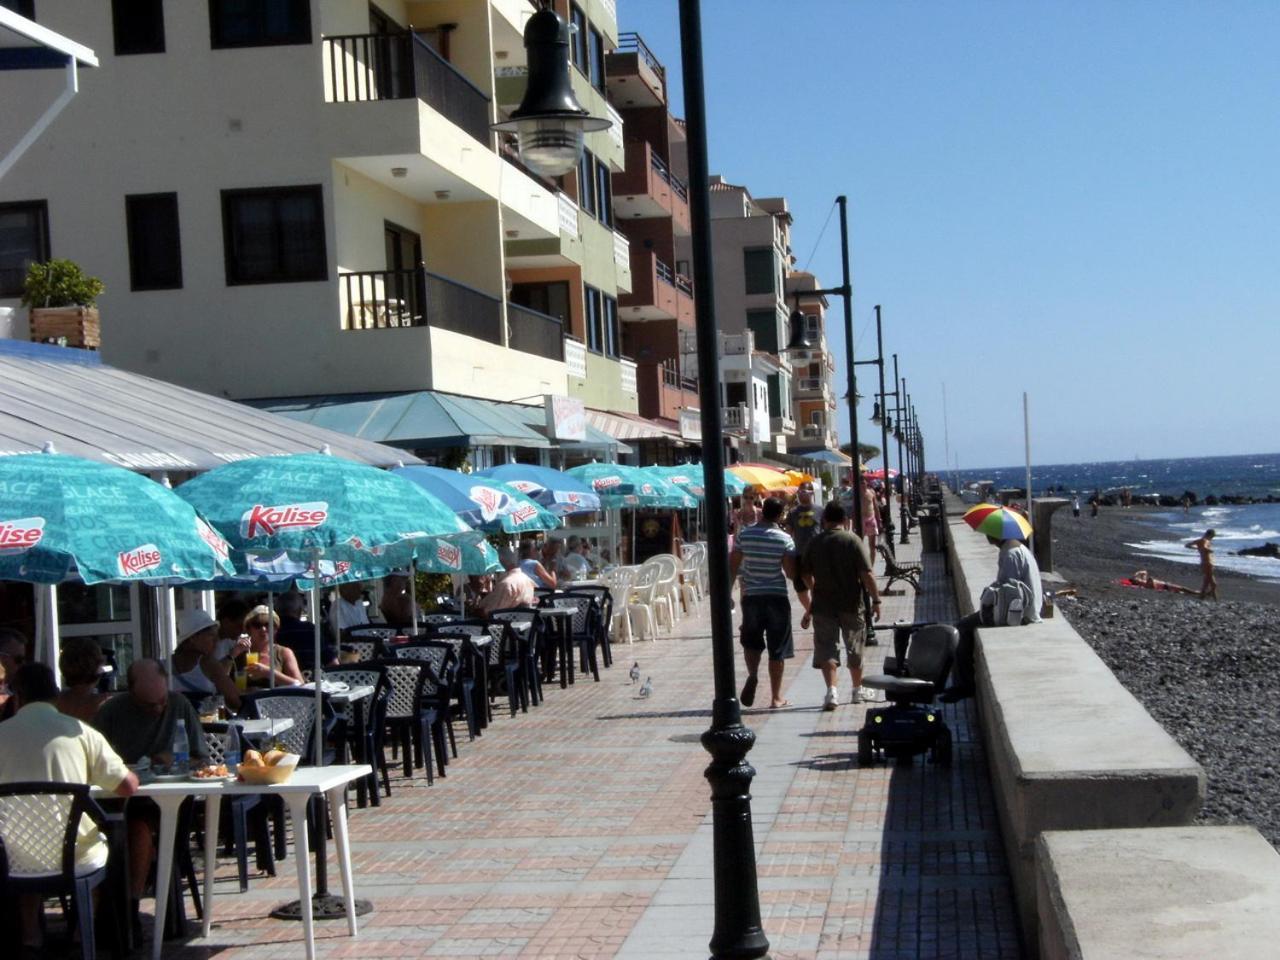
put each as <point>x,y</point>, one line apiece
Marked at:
<point>887,517</point>
<point>903,515</point>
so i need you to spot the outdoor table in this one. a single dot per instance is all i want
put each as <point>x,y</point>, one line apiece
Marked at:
<point>261,726</point>
<point>563,632</point>
<point>355,697</point>
<point>328,782</point>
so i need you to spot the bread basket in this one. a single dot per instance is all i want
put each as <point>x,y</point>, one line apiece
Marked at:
<point>263,776</point>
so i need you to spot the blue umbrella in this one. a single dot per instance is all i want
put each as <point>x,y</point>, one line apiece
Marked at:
<point>554,489</point>
<point>621,487</point>
<point>482,502</point>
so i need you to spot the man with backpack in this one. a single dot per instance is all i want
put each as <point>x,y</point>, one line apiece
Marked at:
<point>1017,584</point>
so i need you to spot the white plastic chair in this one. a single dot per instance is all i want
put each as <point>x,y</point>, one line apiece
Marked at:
<point>619,582</point>
<point>668,585</point>
<point>644,606</point>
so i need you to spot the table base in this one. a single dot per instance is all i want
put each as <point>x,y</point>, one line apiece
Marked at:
<point>324,906</point>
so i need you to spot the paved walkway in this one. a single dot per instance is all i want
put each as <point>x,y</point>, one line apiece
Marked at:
<point>582,830</point>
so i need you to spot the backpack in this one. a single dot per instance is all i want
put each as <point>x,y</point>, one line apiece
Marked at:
<point>999,597</point>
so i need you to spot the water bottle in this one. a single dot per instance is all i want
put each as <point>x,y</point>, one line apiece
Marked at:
<point>231,751</point>
<point>181,752</point>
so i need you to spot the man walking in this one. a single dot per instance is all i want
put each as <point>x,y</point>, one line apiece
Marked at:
<point>803,523</point>
<point>837,569</point>
<point>766,557</point>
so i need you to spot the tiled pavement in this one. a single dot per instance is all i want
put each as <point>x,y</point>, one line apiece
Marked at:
<point>581,829</point>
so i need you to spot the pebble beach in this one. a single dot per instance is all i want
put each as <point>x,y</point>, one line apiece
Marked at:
<point>1208,671</point>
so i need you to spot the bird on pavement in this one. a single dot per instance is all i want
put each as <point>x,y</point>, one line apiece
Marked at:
<point>635,672</point>
<point>646,688</point>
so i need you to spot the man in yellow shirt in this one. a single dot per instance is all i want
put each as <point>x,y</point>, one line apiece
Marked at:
<point>41,744</point>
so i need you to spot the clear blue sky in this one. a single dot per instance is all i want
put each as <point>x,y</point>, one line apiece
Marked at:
<point>1080,200</point>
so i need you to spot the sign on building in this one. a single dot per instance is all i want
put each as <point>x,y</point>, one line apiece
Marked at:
<point>566,418</point>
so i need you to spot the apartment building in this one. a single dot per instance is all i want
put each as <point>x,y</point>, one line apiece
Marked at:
<point>303,198</point>
<point>751,241</point>
<point>813,390</point>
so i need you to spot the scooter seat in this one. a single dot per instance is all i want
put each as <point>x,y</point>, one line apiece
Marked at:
<point>900,686</point>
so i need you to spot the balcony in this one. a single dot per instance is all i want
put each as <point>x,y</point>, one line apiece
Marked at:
<point>402,66</point>
<point>536,333</point>
<point>737,419</point>
<point>636,78</point>
<point>812,387</point>
<point>575,357</point>
<point>783,425</point>
<point>648,188</point>
<point>657,292</point>
<point>626,375</point>
<point>562,250</point>
<point>663,391</point>
<point>388,299</point>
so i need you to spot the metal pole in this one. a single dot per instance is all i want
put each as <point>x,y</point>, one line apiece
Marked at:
<point>884,440</point>
<point>903,479</point>
<point>738,932</point>
<point>846,291</point>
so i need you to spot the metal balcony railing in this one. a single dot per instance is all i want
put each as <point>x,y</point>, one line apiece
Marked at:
<point>627,374</point>
<point>631,42</point>
<point>534,332</point>
<point>380,299</point>
<point>809,384</point>
<point>399,66</point>
<point>664,272</point>
<point>684,284</point>
<point>678,186</point>
<point>621,249</point>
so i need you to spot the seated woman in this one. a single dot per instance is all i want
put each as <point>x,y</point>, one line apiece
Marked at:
<point>532,562</point>
<point>80,663</point>
<point>1143,579</point>
<point>195,668</point>
<point>284,666</point>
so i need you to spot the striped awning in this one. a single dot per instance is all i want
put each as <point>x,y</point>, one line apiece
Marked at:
<point>628,427</point>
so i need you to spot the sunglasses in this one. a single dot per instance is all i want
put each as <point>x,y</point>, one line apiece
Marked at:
<point>257,626</point>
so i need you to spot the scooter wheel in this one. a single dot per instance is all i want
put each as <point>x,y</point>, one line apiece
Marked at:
<point>866,755</point>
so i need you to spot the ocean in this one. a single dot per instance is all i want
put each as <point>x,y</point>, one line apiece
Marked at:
<point>1238,527</point>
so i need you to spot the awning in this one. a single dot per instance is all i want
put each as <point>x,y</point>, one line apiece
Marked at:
<point>623,426</point>
<point>71,398</point>
<point>827,456</point>
<point>27,45</point>
<point>426,419</point>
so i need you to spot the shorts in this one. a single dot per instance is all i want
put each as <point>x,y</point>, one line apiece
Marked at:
<point>870,526</point>
<point>766,622</point>
<point>829,631</point>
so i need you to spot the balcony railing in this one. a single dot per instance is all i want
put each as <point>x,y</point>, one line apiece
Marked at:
<point>615,128</point>
<point>684,284</point>
<point>399,66</point>
<point>533,332</point>
<point>671,377</point>
<point>809,384</point>
<point>813,431</point>
<point>627,375</point>
<point>737,418</point>
<point>621,249</point>
<point>736,344</point>
<point>664,272</point>
<point>568,214</point>
<point>380,299</point>
<point>678,186</point>
<point>575,357</point>
<point>631,42</point>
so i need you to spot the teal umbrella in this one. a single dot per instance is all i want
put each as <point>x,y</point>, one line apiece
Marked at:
<point>622,487</point>
<point>447,557</point>
<point>482,502</point>
<point>687,477</point>
<point>63,517</point>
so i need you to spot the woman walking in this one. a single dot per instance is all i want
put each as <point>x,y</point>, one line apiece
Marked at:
<point>1209,583</point>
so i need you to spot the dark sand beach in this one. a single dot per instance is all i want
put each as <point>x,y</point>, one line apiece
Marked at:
<point>1209,672</point>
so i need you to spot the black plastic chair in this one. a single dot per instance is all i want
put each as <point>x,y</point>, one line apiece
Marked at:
<point>437,692</point>
<point>470,676</point>
<point>604,598</point>
<point>406,715</point>
<point>369,749</point>
<point>237,809</point>
<point>529,647</point>
<point>39,825</point>
<point>583,628</point>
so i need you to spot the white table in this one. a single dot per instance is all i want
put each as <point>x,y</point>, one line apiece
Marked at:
<point>305,783</point>
<point>262,726</point>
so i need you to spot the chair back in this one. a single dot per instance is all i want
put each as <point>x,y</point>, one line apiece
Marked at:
<point>406,679</point>
<point>514,615</point>
<point>439,659</point>
<point>459,630</point>
<point>369,633</point>
<point>365,650</point>
<point>584,620</point>
<point>434,619</point>
<point>215,740</point>
<point>358,675</point>
<point>297,705</point>
<point>39,823</point>
<point>930,651</point>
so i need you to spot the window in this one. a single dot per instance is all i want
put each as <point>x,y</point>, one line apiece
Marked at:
<point>775,396</point>
<point>612,336</point>
<point>595,319</point>
<point>759,270</point>
<point>595,55</point>
<point>259,23</point>
<point>815,417</point>
<point>274,235</point>
<point>23,8</point>
<point>155,255</point>
<point>764,325</point>
<point>138,26</point>
<point>587,183</point>
<point>604,193</point>
<point>24,240</point>
<point>549,298</point>
<point>578,37</point>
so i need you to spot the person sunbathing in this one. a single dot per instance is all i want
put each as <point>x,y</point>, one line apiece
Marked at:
<point>1141,578</point>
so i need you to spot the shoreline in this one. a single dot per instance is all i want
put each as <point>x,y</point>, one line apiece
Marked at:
<point>1093,553</point>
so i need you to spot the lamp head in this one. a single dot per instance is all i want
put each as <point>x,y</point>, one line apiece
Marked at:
<point>875,413</point>
<point>549,123</point>
<point>799,338</point>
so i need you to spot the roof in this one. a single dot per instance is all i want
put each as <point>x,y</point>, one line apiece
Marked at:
<point>86,408</point>
<point>424,419</point>
<point>26,45</point>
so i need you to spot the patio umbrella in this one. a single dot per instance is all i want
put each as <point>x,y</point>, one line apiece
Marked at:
<point>764,477</point>
<point>620,486</point>
<point>557,491</point>
<point>482,502</point>
<point>878,474</point>
<point>688,478</point>
<point>315,506</point>
<point>997,521</point>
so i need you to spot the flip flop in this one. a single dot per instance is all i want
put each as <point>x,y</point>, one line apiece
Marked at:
<point>748,696</point>
<point>779,706</point>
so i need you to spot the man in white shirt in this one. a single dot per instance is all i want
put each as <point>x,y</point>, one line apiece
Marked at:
<point>576,564</point>
<point>350,609</point>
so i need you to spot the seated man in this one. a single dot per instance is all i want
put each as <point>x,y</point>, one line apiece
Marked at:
<point>140,724</point>
<point>513,589</point>
<point>575,563</point>
<point>299,635</point>
<point>41,744</point>
<point>1016,564</point>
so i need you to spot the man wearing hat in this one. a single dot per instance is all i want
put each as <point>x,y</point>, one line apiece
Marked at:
<point>196,668</point>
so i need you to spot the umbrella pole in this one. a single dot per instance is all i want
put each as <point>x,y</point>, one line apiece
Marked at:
<point>413,593</point>
<point>48,642</point>
<point>271,637</point>
<point>168,626</point>
<point>317,674</point>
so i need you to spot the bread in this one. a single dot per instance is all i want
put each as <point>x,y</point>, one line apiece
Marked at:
<point>272,757</point>
<point>252,758</point>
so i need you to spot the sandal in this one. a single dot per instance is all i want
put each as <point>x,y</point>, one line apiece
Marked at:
<point>748,696</point>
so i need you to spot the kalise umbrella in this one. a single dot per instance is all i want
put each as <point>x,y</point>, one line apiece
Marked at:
<point>482,502</point>
<point>560,493</point>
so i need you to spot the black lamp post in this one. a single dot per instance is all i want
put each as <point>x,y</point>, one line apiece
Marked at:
<point>876,418</point>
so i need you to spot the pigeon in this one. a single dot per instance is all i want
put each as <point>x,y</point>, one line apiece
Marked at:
<point>646,688</point>
<point>635,672</point>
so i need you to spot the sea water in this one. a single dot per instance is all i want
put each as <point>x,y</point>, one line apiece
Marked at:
<point>1238,527</point>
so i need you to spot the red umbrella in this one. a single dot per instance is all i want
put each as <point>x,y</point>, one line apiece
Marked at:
<point>879,474</point>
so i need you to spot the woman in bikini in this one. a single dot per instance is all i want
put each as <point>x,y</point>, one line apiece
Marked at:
<point>1209,584</point>
<point>1141,578</point>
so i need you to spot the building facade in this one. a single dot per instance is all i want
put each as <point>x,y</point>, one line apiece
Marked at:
<point>813,391</point>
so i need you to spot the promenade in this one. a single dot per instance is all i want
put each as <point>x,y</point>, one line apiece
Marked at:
<point>582,829</point>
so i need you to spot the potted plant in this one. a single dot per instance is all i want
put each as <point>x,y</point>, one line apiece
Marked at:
<point>62,300</point>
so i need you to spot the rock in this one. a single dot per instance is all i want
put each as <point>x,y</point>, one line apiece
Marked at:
<point>1266,550</point>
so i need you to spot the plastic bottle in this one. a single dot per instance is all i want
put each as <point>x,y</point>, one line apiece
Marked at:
<point>181,752</point>
<point>231,751</point>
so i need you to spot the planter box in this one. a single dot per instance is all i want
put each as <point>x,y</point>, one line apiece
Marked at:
<point>79,325</point>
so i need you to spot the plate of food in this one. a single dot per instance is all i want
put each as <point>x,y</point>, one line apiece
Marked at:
<point>214,771</point>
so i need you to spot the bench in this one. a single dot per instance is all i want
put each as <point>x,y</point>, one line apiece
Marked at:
<point>907,573</point>
<point>1069,747</point>
<point>1172,892</point>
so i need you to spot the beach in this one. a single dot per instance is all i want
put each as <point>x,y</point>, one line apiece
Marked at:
<point>1208,671</point>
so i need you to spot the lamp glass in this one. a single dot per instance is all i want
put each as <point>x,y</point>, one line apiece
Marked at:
<point>549,145</point>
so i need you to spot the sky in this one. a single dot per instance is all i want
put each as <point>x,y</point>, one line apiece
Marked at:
<point>1076,200</point>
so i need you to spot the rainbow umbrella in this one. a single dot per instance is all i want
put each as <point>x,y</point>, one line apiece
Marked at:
<point>997,521</point>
